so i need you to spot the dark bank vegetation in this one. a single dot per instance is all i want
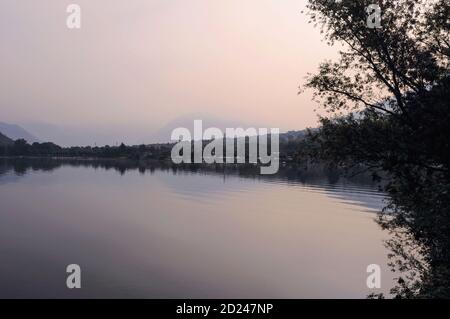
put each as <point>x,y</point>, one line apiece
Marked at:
<point>21,148</point>
<point>289,150</point>
<point>388,101</point>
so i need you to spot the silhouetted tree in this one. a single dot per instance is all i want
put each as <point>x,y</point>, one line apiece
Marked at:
<point>395,82</point>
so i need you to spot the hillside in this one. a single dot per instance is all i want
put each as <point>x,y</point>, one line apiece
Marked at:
<point>16,132</point>
<point>4,140</point>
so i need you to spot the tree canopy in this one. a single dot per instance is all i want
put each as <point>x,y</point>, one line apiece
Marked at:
<point>388,103</point>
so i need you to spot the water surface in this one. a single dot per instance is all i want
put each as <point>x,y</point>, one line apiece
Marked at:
<point>162,233</point>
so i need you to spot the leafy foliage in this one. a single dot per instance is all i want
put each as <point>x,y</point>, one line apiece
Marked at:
<point>388,102</point>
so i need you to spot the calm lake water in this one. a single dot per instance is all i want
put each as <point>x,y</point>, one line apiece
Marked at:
<point>161,233</point>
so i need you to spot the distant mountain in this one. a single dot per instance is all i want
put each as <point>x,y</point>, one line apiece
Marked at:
<point>187,121</point>
<point>16,132</point>
<point>4,140</point>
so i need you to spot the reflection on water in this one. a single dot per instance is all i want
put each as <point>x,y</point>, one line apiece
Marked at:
<point>158,231</point>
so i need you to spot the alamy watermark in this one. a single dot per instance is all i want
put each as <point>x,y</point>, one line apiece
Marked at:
<point>73,20</point>
<point>373,281</point>
<point>373,16</point>
<point>236,145</point>
<point>74,278</point>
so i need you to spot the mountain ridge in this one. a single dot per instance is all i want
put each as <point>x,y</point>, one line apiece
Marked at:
<point>15,132</point>
<point>5,140</point>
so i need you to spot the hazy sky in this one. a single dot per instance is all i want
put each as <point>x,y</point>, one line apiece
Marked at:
<point>136,65</point>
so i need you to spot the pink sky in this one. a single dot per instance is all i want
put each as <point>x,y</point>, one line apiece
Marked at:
<point>138,65</point>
